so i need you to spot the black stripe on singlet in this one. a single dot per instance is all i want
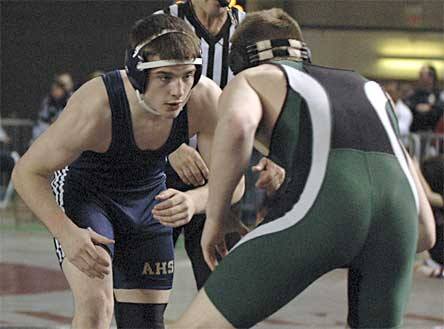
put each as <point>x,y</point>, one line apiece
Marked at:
<point>181,11</point>
<point>210,66</point>
<point>224,64</point>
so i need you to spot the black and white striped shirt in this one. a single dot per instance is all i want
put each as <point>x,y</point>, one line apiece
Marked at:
<point>214,47</point>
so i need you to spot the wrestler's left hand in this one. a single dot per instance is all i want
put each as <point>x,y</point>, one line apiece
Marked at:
<point>175,208</point>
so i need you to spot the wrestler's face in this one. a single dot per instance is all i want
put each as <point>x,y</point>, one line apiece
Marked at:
<point>169,88</point>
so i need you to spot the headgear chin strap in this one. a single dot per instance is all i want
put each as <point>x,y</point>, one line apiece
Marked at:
<point>136,65</point>
<point>147,107</point>
<point>241,58</point>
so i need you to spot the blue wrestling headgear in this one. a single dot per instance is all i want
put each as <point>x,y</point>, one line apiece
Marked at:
<point>137,67</point>
<point>241,58</point>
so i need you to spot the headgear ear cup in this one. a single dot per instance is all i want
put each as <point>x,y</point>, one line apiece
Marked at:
<point>137,78</point>
<point>237,60</point>
<point>197,75</point>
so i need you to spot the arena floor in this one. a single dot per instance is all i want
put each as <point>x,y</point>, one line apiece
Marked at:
<point>34,293</point>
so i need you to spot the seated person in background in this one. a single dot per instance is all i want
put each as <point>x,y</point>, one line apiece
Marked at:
<point>4,138</point>
<point>53,104</point>
<point>402,111</point>
<point>432,179</point>
<point>439,128</point>
<point>6,162</point>
<point>427,102</point>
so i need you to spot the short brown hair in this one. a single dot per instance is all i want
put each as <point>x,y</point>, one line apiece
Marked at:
<point>266,25</point>
<point>262,25</point>
<point>175,46</point>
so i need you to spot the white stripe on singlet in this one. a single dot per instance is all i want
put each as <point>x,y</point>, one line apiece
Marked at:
<point>218,61</point>
<point>318,106</point>
<point>62,190</point>
<point>205,50</point>
<point>378,99</point>
<point>57,185</point>
<point>174,10</point>
<point>232,29</point>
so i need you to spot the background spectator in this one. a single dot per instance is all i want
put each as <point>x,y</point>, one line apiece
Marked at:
<point>433,182</point>
<point>427,102</point>
<point>61,89</point>
<point>402,111</point>
<point>4,138</point>
<point>433,170</point>
<point>439,128</point>
<point>6,162</point>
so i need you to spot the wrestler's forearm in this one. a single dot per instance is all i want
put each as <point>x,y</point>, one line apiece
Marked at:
<point>435,199</point>
<point>36,192</point>
<point>232,147</point>
<point>426,224</point>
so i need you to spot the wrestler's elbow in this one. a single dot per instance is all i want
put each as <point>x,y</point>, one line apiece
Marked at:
<point>431,238</point>
<point>18,175</point>
<point>241,127</point>
<point>426,237</point>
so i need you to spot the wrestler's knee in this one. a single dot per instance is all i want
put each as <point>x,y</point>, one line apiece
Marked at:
<point>94,311</point>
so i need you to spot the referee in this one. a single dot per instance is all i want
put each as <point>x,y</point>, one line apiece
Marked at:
<point>214,22</point>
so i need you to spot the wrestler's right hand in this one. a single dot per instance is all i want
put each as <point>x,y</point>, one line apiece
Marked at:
<point>79,246</point>
<point>271,175</point>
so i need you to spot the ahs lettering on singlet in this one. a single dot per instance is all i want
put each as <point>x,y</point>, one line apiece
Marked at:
<point>158,268</point>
